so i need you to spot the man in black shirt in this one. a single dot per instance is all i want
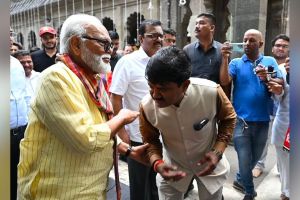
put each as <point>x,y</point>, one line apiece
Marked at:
<point>45,57</point>
<point>114,36</point>
<point>207,55</point>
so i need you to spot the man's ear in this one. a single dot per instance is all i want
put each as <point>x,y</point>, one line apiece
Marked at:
<point>261,43</point>
<point>212,27</point>
<point>141,39</point>
<point>75,45</point>
<point>186,84</point>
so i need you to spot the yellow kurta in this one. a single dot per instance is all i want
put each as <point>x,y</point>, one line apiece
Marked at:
<point>66,152</point>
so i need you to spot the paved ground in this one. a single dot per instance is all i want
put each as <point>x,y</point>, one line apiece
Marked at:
<point>267,185</point>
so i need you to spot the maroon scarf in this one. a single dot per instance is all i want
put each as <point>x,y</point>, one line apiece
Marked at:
<point>93,85</point>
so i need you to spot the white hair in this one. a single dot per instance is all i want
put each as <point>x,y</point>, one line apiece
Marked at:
<point>74,25</point>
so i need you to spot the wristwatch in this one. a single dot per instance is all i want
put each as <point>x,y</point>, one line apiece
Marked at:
<point>129,150</point>
<point>219,154</point>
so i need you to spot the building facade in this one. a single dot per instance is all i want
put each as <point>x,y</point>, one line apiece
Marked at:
<point>234,17</point>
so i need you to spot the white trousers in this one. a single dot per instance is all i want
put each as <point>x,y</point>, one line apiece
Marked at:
<point>167,192</point>
<point>283,160</point>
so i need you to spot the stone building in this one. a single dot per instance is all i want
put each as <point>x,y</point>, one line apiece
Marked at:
<point>234,17</point>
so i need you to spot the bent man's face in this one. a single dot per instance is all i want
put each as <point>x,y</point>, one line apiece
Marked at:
<point>166,94</point>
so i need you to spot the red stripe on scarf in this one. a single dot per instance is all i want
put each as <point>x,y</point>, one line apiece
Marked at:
<point>93,85</point>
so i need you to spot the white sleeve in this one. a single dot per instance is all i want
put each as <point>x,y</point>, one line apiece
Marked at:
<point>120,77</point>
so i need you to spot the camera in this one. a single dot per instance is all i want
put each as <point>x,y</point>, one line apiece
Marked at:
<point>271,73</point>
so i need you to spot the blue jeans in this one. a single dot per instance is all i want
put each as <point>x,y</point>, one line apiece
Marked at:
<point>249,141</point>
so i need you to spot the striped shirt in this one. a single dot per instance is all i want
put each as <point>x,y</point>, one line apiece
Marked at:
<point>66,152</point>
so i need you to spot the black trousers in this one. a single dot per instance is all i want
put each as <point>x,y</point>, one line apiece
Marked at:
<point>16,135</point>
<point>142,180</point>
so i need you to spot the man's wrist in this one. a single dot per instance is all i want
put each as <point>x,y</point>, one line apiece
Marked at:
<point>156,163</point>
<point>128,151</point>
<point>219,154</point>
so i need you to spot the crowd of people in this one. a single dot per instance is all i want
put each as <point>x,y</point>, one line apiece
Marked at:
<point>168,112</point>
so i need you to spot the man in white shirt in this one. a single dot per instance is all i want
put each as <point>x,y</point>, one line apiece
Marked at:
<point>19,102</point>
<point>32,77</point>
<point>128,87</point>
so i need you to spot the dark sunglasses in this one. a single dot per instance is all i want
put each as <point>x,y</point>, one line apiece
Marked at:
<point>103,43</point>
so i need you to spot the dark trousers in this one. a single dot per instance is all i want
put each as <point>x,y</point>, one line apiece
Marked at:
<point>142,180</point>
<point>16,135</point>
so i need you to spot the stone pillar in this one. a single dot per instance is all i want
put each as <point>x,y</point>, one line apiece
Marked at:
<point>246,15</point>
<point>276,22</point>
<point>176,17</point>
<point>156,9</point>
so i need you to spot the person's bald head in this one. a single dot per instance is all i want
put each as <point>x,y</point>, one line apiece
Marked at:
<point>252,43</point>
<point>255,33</point>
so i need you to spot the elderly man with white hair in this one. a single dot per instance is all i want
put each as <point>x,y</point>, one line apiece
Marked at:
<point>67,150</point>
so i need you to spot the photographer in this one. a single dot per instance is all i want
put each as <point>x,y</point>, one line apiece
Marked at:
<point>250,96</point>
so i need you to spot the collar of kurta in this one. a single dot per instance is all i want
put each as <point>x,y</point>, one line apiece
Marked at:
<point>93,84</point>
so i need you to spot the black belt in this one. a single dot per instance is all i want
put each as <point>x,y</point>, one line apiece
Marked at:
<point>133,143</point>
<point>20,129</point>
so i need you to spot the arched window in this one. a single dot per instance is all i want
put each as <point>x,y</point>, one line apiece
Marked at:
<point>31,40</point>
<point>108,23</point>
<point>20,38</point>
<point>133,21</point>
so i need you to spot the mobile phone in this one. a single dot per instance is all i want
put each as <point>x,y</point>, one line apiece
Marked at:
<point>237,47</point>
<point>271,73</point>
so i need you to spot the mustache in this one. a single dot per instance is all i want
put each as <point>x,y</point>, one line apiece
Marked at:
<point>158,43</point>
<point>158,99</point>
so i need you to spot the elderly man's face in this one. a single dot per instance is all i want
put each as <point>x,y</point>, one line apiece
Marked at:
<point>96,49</point>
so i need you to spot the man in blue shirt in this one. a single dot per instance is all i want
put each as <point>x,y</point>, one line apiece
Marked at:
<point>250,98</point>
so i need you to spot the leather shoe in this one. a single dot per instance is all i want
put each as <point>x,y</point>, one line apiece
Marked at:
<point>248,197</point>
<point>283,197</point>
<point>238,186</point>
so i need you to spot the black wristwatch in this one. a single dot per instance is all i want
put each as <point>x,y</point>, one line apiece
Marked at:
<point>219,154</point>
<point>129,150</point>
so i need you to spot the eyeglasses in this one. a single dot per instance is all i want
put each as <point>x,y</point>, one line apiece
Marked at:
<point>281,45</point>
<point>154,36</point>
<point>103,43</point>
